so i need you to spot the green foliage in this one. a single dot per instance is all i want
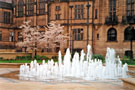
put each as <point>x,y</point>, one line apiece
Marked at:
<point>19,61</point>
<point>24,58</point>
<point>54,57</point>
<point>98,56</point>
<point>27,59</point>
<point>30,58</point>
<point>1,58</point>
<point>42,58</point>
<point>128,60</point>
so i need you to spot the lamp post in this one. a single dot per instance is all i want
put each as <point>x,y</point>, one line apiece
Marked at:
<point>131,42</point>
<point>71,32</point>
<point>88,6</point>
<point>131,22</point>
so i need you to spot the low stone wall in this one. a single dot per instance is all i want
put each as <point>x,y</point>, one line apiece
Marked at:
<point>7,50</point>
<point>129,83</point>
<point>131,67</point>
<point>12,55</point>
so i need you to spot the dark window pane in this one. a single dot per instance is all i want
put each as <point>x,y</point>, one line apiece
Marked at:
<point>128,34</point>
<point>79,12</point>
<point>78,34</point>
<point>112,8</point>
<point>57,16</point>
<point>41,7</point>
<point>0,35</point>
<point>130,7</point>
<point>7,17</point>
<point>20,8</point>
<point>30,7</point>
<point>112,35</point>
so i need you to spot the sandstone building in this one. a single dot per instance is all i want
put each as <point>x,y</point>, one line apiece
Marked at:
<point>100,23</point>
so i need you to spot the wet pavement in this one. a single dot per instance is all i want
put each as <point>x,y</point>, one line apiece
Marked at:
<point>9,80</point>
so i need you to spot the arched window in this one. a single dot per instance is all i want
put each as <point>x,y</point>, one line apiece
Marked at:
<point>112,35</point>
<point>41,7</point>
<point>20,8</point>
<point>128,34</point>
<point>30,7</point>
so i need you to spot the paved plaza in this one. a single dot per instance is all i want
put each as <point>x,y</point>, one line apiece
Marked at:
<point>15,84</point>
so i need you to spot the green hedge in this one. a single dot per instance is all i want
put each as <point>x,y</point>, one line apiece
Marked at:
<point>98,56</point>
<point>128,60</point>
<point>30,58</point>
<point>42,58</point>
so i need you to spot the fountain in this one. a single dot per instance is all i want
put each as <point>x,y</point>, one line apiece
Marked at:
<point>82,67</point>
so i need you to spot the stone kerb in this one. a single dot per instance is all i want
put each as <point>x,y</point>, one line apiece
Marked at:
<point>129,83</point>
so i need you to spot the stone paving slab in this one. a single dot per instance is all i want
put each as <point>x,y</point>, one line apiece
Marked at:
<point>7,70</point>
<point>12,84</point>
<point>65,86</point>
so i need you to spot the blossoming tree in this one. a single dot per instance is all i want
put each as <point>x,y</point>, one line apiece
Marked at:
<point>34,39</point>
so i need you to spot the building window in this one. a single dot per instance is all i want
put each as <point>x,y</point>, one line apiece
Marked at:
<point>19,35</point>
<point>112,9</point>
<point>11,37</point>
<point>20,8</point>
<point>130,7</point>
<point>96,12</point>
<point>97,36</point>
<point>78,34</point>
<point>7,17</point>
<point>57,16</point>
<point>112,35</point>
<point>128,34</point>
<point>79,11</point>
<point>30,7</point>
<point>0,35</point>
<point>57,8</point>
<point>41,7</point>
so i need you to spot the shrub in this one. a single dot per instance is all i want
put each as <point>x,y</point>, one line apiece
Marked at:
<point>24,58</point>
<point>28,57</point>
<point>55,57</point>
<point>41,58</point>
<point>18,57</point>
<point>98,56</point>
<point>1,58</point>
<point>128,60</point>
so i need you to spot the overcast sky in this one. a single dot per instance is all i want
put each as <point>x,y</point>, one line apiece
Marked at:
<point>9,1</point>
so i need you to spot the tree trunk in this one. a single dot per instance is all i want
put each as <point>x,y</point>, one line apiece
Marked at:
<point>35,54</point>
<point>35,50</point>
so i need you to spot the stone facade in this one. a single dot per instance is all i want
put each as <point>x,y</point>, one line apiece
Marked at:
<point>107,22</point>
<point>6,23</point>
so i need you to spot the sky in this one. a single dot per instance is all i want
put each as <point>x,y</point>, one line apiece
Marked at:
<point>9,1</point>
